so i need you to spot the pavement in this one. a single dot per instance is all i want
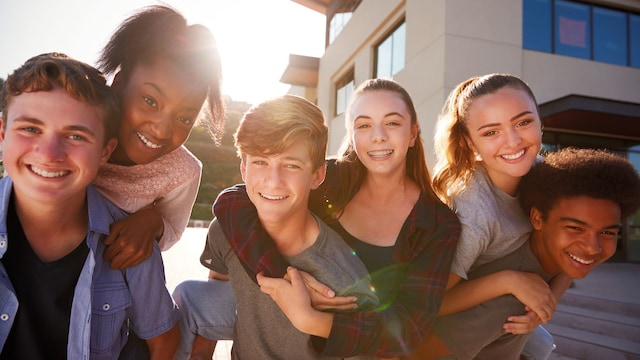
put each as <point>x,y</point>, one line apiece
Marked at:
<point>616,281</point>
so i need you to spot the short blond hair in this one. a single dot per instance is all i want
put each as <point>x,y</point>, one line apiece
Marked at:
<point>274,125</point>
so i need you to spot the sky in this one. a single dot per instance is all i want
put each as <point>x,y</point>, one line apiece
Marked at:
<point>255,37</point>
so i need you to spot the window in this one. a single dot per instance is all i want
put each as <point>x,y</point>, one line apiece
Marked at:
<point>344,91</point>
<point>338,22</point>
<point>581,30</point>
<point>609,36</point>
<point>390,53</point>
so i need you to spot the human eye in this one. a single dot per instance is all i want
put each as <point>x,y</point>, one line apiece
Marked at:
<point>77,137</point>
<point>611,233</point>
<point>293,166</point>
<point>524,123</point>
<point>30,129</point>
<point>259,162</point>
<point>150,101</point>
<point>185,120</point>
<point>490,133</point>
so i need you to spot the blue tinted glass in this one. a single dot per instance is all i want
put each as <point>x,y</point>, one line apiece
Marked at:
<point>634,40</point>
<point>536,25</point>
<point>609,36</point>
<point>572,25</point>
<point>398,51</point>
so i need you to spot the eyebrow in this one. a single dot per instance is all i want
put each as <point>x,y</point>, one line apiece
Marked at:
<point>510,120</point>
<point>30,120</point>
<point>393,113</point>
<point>574,220</point>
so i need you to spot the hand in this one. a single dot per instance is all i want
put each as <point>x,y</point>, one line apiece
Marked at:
<point>535,294</point>
<point>322,297</point>
<point>294,301</point>
<point>522,324</point>
<point>131,239</point>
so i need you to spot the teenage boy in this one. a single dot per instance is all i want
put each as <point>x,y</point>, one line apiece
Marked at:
<point>59,299</point>
<point>576,200</point>
<point>281,143</point>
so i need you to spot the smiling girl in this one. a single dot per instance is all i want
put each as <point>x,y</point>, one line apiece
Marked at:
<point>167,76</point>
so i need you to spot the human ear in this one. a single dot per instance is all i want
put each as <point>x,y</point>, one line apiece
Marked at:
<point>319,176</point>
<point>107,149</point>
<point>415,130</point>
<point>243,169</point>
<point>535,217</point>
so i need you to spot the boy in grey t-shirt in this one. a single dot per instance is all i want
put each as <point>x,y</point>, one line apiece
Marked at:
<point>281,143</point>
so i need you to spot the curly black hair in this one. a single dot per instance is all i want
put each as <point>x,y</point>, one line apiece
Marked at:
<point>572,172</point>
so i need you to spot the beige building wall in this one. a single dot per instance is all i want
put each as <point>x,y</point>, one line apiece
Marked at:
<point>449,41</point>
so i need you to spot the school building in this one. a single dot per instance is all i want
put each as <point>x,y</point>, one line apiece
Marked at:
<point>581,58</point>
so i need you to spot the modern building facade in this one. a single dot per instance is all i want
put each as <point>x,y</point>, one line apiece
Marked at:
<point>581,58</point>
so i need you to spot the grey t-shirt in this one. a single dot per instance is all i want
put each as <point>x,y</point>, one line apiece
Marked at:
<point>262,330</point>
<point>477,333</point>
<point>493,224</point>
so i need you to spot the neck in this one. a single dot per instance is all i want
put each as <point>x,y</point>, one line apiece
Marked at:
<point>294,234</point>
<point>382,189</point>
<point>506,183</point>
<point>53,231</point>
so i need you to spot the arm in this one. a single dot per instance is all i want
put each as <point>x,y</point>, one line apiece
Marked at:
<point>131,239</point>
<point>529,288</point>
<point>165,345</point>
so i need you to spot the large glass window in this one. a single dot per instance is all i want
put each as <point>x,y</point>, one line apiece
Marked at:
<point>536,24</point>
<point>581,30</point>
<point>609,36</point>
<point>390,53</point>
<point>634,40</point>
<point>344,91</point>
<point>572,36</point>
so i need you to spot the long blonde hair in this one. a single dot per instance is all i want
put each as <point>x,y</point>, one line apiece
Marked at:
<point>455,159</point>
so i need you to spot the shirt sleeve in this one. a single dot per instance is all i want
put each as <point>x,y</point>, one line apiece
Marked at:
<point>474,237</point>
<point>400,325</point>
<point>175,208</point>
<point>146,281</point>
<point>213,254</point>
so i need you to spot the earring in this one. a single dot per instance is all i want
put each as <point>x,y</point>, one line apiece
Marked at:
<point>477,156</point>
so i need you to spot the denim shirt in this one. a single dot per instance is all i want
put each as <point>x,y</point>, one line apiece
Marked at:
<point>105,301</point>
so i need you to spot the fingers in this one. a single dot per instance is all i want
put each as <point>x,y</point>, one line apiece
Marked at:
<point>316,285</point>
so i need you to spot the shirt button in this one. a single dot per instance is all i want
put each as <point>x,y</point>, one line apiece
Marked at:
<point>3,243</point>
<point>4,317</point>
<point>106,307</point>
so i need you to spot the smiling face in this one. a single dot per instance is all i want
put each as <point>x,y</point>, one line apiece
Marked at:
<point>160,105</point>
<point>505,130</point>
<point>279,185</point>
<point>382,132</point>
<point>53,145</point>
<point>578,234</point>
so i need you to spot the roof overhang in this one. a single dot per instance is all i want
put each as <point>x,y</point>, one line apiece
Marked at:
<point>588,115</point>
<point>301,71</point>
<point>316,5</point>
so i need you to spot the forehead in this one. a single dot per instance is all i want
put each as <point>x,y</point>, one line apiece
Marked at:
<point>378,101</point>
<point>591,211</point>
<point>170,78</point>
<point>55,108</point>
<point>503,103</point>
<point>299,150</point>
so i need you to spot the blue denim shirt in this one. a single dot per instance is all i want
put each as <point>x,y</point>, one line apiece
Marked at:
<point>105,302</point>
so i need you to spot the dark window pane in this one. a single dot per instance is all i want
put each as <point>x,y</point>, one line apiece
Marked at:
<point>609,36</point>
<point>536,19</point>
<point>399,45</point>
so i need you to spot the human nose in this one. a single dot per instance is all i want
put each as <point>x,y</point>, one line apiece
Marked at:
<point>378,133</point>
<point>513,138</point>
<point>51,149</point>
<point>274,176</point>
<point>591,243</point>
<point>162,126</point>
